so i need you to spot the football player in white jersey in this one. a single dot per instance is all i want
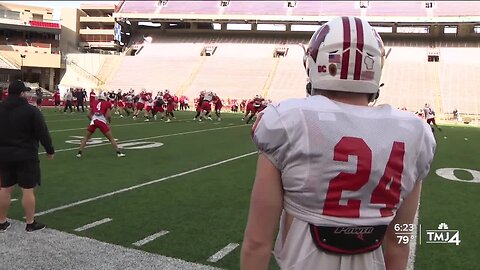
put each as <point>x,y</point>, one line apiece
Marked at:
<point>430,116</point>
<point>334,173</point>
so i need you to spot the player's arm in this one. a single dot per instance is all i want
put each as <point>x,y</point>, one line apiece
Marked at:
<point>265,209</point>
<point>396,255</point>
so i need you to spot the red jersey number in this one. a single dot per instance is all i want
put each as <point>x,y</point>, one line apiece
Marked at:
<point>386,192</point>
<point>102,107</point>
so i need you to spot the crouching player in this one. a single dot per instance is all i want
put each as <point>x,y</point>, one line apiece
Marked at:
<point>100,116</point>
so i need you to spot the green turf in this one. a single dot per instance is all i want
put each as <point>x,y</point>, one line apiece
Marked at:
<point>452,202</point>
<point>206,210</point>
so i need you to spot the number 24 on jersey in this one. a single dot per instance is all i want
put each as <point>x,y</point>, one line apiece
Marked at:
<point>386,192</point>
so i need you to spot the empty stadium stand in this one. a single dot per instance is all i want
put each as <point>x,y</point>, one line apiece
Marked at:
<point>243,64</point>
<point>306,8</point>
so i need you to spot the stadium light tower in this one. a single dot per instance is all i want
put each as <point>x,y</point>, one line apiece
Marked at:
<point>22,56</point>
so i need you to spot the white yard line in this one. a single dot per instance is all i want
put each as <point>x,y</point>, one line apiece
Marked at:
<point>223,252</point>
<point>93,224</point>
<point>13,200</point>
<point>149,238</point>
<point>413,242</point>
<point>52,249</point>
<point>141,185</point>
<point>147,138</point>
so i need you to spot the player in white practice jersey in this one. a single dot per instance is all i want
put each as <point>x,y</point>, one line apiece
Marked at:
<point>430,116</point>
<point>334,173</point>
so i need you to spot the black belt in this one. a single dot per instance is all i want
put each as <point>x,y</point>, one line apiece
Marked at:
<point>348,240</point>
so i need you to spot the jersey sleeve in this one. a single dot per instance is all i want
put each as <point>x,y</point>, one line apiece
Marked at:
<point>270,137</point>
<point>426,153</point>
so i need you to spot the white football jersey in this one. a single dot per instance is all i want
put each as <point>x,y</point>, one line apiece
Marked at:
<point>341,164</point>
<point>208,97</point>
<point>429,113</point>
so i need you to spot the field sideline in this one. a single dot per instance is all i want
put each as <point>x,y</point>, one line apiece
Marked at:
<point>183,189</point>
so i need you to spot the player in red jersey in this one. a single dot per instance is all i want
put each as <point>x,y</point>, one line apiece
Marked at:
<point>218,105</point>
<point>92,99</point>
<point>243,104</point>
<point>198,106</point>
<point>140,104</point>
<point>100,117</point>
<point>56,100</point>
<point>257,104</point>
<point>158,106</point>
<point>121,106</point>
<point>148,106</point>
<point>170,105</point>
<point>248,108</point>
<point>128,99</point>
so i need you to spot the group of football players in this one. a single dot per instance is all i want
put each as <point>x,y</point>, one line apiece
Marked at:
<point>164,104</point>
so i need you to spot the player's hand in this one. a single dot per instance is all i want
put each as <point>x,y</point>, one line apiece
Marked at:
<point>50,157</point>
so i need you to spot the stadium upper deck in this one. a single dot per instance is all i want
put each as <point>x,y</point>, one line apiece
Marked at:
<point>457,11</point>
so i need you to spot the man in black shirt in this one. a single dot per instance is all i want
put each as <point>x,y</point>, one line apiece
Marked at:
<point>39,97</point>
<point>21,128</point>
<point>79,94</point>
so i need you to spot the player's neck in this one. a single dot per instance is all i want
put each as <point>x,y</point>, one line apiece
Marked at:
<point>358,99</point>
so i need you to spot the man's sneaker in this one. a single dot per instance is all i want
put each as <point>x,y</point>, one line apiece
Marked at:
<point>4,226</point>
<point>121,155</point>
<point>35,226</point>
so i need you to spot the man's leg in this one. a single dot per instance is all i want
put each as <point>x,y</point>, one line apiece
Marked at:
<point>109,136</point>
<point>5,196</point>
<point>197,115</point>
<point>85,139</point>
<point>28,203</point>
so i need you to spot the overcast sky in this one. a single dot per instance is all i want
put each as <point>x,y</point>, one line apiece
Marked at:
<point>57,5</point>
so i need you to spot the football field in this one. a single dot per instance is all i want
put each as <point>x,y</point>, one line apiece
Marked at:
<point>183,189</point>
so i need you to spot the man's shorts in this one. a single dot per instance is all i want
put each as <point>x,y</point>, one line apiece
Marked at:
<point>24,173</point>
<point>206,106</point>
<point>104,128</point>
<point>140,106</point>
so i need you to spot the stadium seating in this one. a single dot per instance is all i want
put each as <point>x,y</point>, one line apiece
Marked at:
<point>290,77</point>
<point>188,7</point>
<point>305,8</point>
<point>459,79</point>
<point>158,67</point>
<point>256,7</point>
<point>410,81</point>
<point>242,70</point>
<point>323,8</point>
<point>235,70</point>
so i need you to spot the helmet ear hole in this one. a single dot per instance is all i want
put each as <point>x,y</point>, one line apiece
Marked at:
<point>309,88</point>
<point>374,96</point>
